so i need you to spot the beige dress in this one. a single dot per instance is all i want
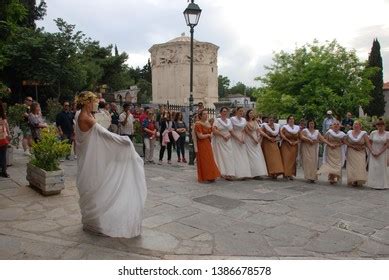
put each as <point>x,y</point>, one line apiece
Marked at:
<point>271,151</point>
<point>222,149</point>
<point>254,152</point>
<point>356,160</point>
<point>333,157</point>
<point>289,152</point>
<point>378,176</point>
<point>310,155</point>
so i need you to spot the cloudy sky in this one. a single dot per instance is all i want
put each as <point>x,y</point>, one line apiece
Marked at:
<point>247,31</point>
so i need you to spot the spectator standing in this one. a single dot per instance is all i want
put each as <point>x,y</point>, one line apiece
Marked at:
<point>64,122</point>
<point>100,97</point>
<point>347,122</point>
<point>149,136</point>
<point>114,118</point>
<point>180,127</point>
<point>166,137</point>
<point>126,122</point>
<point>200,106</point>
<point>36,121</point>
<point>137,112</point>
<point>142,117</point>
<point>327,122</point>
<point>27,138</point>
<point>4,141</point>
<point>144,114</point>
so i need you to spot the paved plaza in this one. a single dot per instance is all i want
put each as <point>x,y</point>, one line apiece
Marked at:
<point>186,220</point>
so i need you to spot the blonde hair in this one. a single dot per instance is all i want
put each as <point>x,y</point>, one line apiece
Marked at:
<point>84,98</point>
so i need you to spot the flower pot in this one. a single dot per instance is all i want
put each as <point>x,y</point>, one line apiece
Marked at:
<point>45,182</point>
<point>10,155</point>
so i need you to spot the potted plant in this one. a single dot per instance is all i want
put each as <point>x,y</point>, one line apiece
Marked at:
<point>43,171</point>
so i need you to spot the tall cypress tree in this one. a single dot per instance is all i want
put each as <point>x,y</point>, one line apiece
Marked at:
<point>377,104</point>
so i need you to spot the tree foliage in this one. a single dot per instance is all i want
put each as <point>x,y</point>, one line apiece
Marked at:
<point>376,106</point>
<point>223,86</point>
<point>313,79</point>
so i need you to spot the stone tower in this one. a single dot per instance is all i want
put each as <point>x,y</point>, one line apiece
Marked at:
<point>170,64</point>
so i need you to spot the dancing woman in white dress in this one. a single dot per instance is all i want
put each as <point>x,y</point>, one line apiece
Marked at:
<point>222,146</point>
<point>110,176</point>
<point>253,146</point>
<point>239,150</point>
<point>378,176</point>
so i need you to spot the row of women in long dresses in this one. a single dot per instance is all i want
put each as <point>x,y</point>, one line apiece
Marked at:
<point>240,148</point>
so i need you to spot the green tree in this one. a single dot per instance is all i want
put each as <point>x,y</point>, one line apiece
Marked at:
<point>238,88</point>
<point>145,73</point>
<point>145,94</point>
<point>376,106</point>
<point>34,12</point>
<point>313,79</point>
<point>65,62</point>
<point>223,86</point>
<point>12,14</point>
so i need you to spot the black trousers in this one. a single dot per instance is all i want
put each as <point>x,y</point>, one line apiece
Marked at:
<point>181,146</point>
<point>168,147</point>
<point>3,158</point>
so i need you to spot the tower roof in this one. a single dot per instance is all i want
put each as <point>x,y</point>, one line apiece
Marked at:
<point>182,38</point>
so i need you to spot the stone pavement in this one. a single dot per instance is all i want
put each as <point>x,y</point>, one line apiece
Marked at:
<point>186,220</point>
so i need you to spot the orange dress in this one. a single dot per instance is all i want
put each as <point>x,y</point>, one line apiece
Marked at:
<point>206,167</point>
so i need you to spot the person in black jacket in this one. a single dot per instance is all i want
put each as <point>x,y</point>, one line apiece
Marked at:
<point>64,123</point>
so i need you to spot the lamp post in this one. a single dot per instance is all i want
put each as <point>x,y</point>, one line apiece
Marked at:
<point>192,15</point>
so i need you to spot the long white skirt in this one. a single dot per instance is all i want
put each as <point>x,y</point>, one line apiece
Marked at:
<point>111,182</point>
<point>378,175</point>
<point>256,158</point>
<point>222,151</point>
<point>242,164</point>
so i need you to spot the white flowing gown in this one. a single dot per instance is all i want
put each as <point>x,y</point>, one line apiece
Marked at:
<point>255,154</point>
<point>222,150</point>
<point>111,182</point>
<point>239,151</point>
<point>378,176</point>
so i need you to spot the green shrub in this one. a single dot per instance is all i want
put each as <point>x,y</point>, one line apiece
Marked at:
<point>16,118</point>
<point>137,132</point>
<point>49,150</point>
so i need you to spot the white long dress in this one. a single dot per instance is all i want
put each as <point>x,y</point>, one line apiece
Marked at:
<point>239,151</point>
<point>222,150</point>
<point>255,154</point>
<point>378,176</point>
<point>111,182</point>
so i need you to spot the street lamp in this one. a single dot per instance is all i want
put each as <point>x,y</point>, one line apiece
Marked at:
<point>192,15</point>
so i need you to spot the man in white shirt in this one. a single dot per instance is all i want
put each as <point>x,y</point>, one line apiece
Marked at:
<point>126,122</point>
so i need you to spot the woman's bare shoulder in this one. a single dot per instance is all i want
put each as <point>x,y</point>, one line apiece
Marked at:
<point>85,122</point>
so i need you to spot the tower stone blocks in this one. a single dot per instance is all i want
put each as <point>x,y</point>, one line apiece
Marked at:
<point>170,64</point>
